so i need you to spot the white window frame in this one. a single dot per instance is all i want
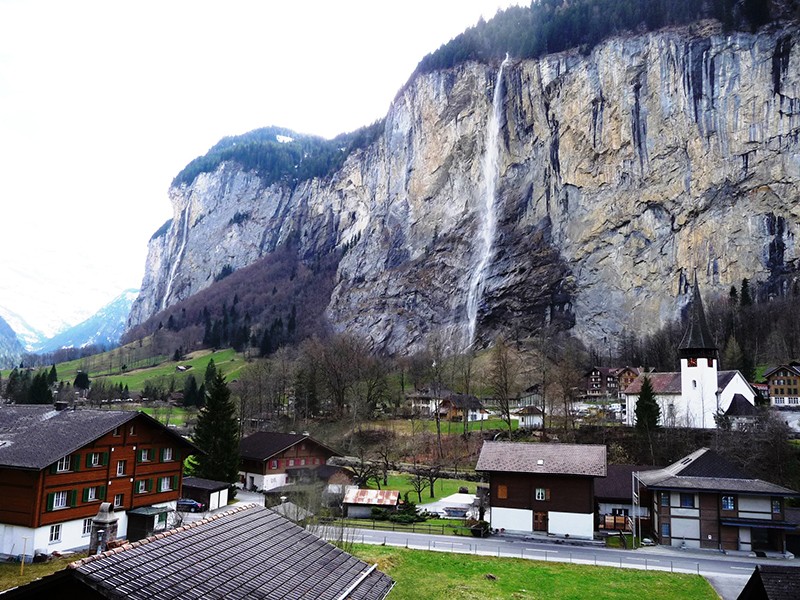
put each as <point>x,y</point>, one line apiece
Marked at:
<point>63,465</point>
<point>145,455</point>
<point>119,499</point>
<point>120,468</point>
<point>141,487</point>
<point>165,484</point>
<point>55,533</point>
<point>61,500</point>
<point>91,495</point>
<point>95,459</point>
<point>87,527</point>
<point>541,494</point>
<point>167,454</point>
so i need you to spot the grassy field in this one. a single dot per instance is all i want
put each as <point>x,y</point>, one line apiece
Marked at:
<point>10,577</point>
<point>422,575</point>
<point>441,489</point>
<point>408,426</point>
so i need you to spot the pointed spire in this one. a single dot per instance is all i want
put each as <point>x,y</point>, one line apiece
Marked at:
<point>697,340</point>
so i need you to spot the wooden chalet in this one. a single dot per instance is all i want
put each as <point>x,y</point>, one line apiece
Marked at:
<point>58,466</point>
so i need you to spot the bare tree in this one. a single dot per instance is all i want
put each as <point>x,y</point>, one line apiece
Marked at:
<point>503,374</point>
<point>418,481</point>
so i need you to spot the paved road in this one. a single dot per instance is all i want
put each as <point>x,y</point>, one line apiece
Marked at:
<point>728,574</point>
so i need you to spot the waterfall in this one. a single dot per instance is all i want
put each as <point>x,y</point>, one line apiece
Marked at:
<point>176,262</point>
<point>486,208</point>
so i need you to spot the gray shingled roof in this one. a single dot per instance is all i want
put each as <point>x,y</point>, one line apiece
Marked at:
<point>773,582</point>
<point>247,552</point>
<point>706,470</point>
<point>35,436</point>
<point>263,445</point>
<point>205,484</point>
<point>553,459</point>
<point>697,335</point>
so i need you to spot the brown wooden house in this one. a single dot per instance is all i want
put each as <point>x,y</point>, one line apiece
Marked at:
<point>266,456</point>
<point>543,487</point>
<point>57,466</point>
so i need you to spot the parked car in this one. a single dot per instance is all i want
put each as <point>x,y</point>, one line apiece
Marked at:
<point>189,505</point>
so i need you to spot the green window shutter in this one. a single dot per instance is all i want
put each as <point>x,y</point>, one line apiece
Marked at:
<point>88,460</point>
<point>139,455</point>
<point>50,500</point>
<point>174,482</point>
<point>161,455</point>
<point>54,468</point>
<point>104,458</point>
<point>101,492</point>
<point>75,462</point>
<point>85,497</point>
<point>73,497</point>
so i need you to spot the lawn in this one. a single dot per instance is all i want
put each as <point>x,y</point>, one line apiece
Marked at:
<point>409,426</point>
<point>441,489</point>
<point>424,575</point>
<point>9,571</point>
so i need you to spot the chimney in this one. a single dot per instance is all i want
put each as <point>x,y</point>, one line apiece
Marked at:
<point>61,405</point>
<point>104,529</point>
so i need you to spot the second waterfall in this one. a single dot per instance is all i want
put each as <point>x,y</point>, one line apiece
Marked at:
<point>486,210</point>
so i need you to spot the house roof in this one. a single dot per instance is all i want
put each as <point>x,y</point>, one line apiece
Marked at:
<point>372,497</point>
<point>618,482</point>
<point>706,470</point>
<point>697,335</point>
<point>553,459</point>
<point>263,445</point>
<point>318,472</point>
<point>205,484</point>
<point>529,410</point>
<point>464,402</point>
<point>740,407</point>
<point>772,582</point>
<point>35,436</point>
<point>247,552</point>
<point>792,368</point>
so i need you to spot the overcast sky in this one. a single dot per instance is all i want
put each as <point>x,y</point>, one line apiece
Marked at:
<point>102,103</point>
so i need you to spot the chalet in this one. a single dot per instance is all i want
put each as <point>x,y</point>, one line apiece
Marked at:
<point>530,396</point>
<point>456,406</point>
<point>698,393</point>
<point>545,488</point>
<point>58,466</point>
<point>246,552</point>
<point>703,501</point>
<point>529,417</point>
<point>783,382</point>
<point>424,402</point>
<point>358,504</point>
<point>266,456</point>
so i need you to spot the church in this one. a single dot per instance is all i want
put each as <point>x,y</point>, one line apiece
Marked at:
<point>700,391</point>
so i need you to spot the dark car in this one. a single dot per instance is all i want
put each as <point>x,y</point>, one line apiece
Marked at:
<point>189,505</point>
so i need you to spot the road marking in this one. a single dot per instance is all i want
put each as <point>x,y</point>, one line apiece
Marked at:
<point>743,568</point>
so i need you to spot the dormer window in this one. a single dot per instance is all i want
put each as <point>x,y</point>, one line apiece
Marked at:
<point>63,465</point>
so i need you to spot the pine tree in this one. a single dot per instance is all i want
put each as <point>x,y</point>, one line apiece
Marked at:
<point>745,298</point>
<point>648,411</point>
<point>39,391</point>
<point>217,434</point>
<point>52,377</point>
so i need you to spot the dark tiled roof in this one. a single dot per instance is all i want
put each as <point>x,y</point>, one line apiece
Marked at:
<point>740,407</point>
<point>263,445</point>
<point>35,436</point>
<point>530,410</point>
<point>772,582</point>
<point>247,552</point>
<point>706,470</point>
<point>553,459</point>
<point>464,402</point>
<point>697,335</point>
<point>205,484</point>
<point>791,368</point>
<point>320,472</point>
<point>618,482</point>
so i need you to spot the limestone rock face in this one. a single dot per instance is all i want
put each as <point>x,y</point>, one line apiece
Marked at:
<point>620,173</point>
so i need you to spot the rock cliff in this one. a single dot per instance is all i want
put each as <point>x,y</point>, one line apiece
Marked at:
<point>620,173</point>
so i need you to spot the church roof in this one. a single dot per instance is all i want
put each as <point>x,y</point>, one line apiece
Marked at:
<point>741,407</point>
<point>697,335</point>
<point>670,383</point>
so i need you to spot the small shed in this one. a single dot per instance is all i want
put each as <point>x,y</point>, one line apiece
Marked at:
<point>213,494</point>
<point>358,504</point>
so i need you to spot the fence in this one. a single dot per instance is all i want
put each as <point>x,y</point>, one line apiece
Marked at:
<point>429,528</point>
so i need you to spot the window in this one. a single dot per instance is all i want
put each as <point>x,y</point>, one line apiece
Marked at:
<point>664,498</point>
<point>91,494</point>
<point>302,462</point>
<point>87,527</point>
<point>55,533</point>
<point>273,464</point>
<point>728,503</point>
<point>291,462</point>
<point>118,500</point>
<point>166,454</point>
<point>687,500</point>
<point>141,486</point>
<point>694,384</point>
<point>776,506</point>
<point>116,432</point>
<point>542,494</point>
<point>60,500</point>
<point>144,455</point>
<point>120,468</point>
<point>665,530</point>
<point>132,430</point>
<point>502,492</point>
<point>95,460</point>
<point>691,362</point>
<point>63,465</point>
<point>165,484</point>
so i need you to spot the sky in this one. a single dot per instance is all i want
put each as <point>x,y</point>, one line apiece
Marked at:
<point>102,103</point>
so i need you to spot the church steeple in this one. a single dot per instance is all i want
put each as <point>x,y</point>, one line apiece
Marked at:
<point>697,341</point>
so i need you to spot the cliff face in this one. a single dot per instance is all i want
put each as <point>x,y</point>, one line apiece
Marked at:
<point>619,173</point>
